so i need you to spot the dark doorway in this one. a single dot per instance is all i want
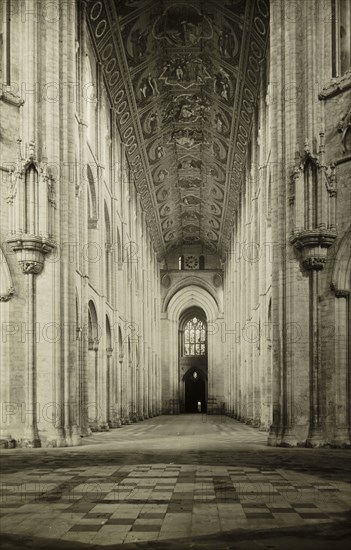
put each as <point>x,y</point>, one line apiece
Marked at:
<point>195,394</point>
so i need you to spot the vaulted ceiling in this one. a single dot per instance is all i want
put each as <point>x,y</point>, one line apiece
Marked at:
<point>183,79</point>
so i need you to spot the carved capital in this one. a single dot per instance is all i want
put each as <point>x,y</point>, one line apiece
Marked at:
<point>32,267</point>
<point>31,252</point>
<point>314,263</point>
<point>7,295</point>
<point>92,223</point>
<point>339,293</point>
<point>93,344</point>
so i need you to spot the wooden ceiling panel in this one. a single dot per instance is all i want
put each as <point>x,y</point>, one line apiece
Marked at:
<point>183,78</point>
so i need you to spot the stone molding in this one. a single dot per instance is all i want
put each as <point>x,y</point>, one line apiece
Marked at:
<point>336,86</point>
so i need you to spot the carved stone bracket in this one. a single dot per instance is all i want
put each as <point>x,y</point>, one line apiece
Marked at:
<point>31,267</point>
<point>314,245</point>
<point>93,344</point>
<point>315,263</point>
<point>93,223</point>
<point>31,252</point>
<point>339,293</point>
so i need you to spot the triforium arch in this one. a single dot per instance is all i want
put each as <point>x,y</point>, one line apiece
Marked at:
<point>191,298</point>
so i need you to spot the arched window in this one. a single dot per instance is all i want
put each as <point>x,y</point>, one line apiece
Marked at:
<point>341,36</point>
<point>310,176</point>
<point>181,262</point>
<point>93,327</point>
<point>92,200</point>
<point>108,245</point>
<point>5,42</point>
<point>195,337</point>
<point>90,97</point>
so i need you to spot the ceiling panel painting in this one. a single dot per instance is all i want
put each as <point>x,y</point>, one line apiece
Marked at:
<point>184,92</point>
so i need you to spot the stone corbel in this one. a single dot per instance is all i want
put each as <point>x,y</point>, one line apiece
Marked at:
<point>92,223</point>
<point>31,253</point>
<point>31,267</point>
<point>339,293</point>
<point>315,263</point>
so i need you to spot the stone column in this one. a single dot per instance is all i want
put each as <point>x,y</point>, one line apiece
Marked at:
<point>120,391</point>
<point>341,384</point>
<point>110,389</point>
<point>31,430</point>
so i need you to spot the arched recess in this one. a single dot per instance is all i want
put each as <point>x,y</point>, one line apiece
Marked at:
<point>6,292</point>
<point>193,371</point>
<point>187,282</point>
<point>187,298</point>
<point>120,379</point>
<point>195,391</point>
<point>91,99</point>
<point>119,250</point>
<point>341,287</point>
<point>79,350</point>
<point>93,367</point>
<point>110,376</point>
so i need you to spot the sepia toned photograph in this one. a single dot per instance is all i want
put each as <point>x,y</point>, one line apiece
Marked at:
<point>175,274</point>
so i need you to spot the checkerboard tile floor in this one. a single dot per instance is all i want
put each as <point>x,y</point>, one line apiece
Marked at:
<point>148,502</point>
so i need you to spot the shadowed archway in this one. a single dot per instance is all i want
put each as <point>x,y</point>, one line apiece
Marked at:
<point>193,365</point>
<point>195,390</point>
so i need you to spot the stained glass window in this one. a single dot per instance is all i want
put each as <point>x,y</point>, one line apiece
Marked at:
<point>195,337</point>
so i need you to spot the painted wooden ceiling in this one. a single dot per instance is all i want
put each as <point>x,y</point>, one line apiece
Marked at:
<point>183,79</point>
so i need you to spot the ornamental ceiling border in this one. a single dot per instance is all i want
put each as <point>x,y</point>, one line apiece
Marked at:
<point>110,56</point>
<point>224,168</point>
